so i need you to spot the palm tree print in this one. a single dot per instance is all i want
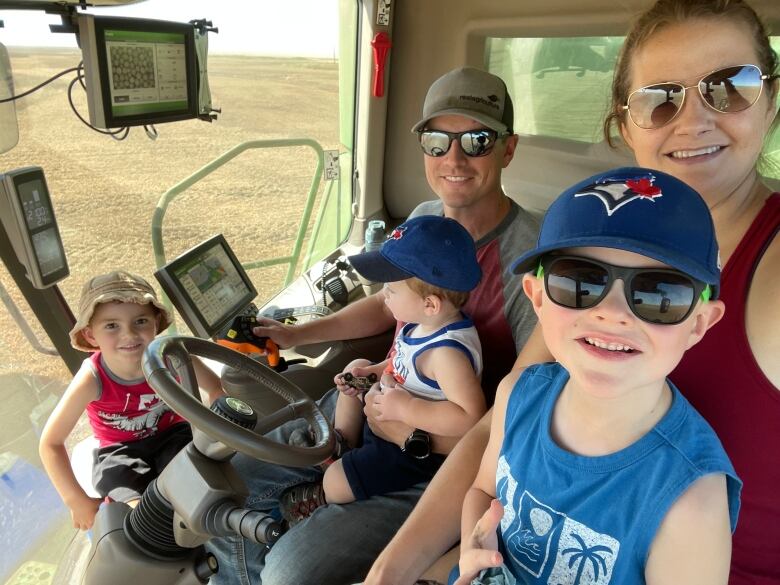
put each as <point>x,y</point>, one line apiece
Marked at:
<point>583,554</point>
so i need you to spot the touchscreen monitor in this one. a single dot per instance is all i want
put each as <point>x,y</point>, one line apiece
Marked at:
<point>208,286</point>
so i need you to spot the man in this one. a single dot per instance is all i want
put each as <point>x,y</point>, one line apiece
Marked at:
<point>467,139</point>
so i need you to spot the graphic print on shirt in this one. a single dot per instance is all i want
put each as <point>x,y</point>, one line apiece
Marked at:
<point>541,540</point>
<point>150,410</point>
<point>400,371</point>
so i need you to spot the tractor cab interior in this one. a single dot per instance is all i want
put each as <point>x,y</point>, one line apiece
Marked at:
<point>235,163</point>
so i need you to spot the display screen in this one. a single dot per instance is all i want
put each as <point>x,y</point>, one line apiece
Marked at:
<point>36,204</point>
<point>208,286</point>
<point>48,251</point>
<point>28,218</point>
<point>139,71</point>
<point>147,71</point>
<point>213,283</point>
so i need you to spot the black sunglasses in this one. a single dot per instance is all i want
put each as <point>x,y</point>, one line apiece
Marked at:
<point>656,295</point>
<point>472,142</point>
<point>728,90</point>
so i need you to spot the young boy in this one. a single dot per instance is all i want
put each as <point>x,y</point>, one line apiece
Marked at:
<point>430,382</point>
<point>119,315</point>
<point>603,472</point>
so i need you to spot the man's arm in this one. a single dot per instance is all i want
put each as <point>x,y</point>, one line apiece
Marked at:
<point>434,524</point>
<point>479,547</point>
<point>397,432</point>
<point>363,318</point>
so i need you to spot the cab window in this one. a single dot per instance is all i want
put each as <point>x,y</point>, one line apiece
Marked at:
<point>286,73</point>
<point>562,86</point>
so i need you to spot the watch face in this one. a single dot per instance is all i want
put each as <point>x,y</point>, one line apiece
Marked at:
<point>418,445</point>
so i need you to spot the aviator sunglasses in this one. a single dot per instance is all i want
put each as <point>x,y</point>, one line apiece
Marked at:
<point>656,295</point>
<point>472,142</point>
<point>728,90</point>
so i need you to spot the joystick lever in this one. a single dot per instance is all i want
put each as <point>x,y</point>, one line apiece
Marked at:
<point>240,337</point>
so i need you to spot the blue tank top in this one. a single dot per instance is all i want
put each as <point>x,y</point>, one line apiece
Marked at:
<point>571,519</point>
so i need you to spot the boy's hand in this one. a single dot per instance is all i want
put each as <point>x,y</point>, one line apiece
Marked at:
<point>357,372</point>
<point>387,381</point>
<point>83,512</point>
<point>342,386</point>
<point>391,403</point>
<point>481,550</point>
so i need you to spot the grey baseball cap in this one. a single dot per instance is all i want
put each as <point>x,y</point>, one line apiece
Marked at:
<point>469,92</point>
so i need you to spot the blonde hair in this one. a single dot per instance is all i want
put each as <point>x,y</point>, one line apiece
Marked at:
<point>668,12</point>
<point>457,298</point>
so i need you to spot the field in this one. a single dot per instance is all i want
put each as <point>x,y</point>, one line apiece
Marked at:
<point>105,191</point>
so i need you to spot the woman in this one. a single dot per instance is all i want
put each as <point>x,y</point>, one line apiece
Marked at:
<point>715,146</point>
<point>710,136</point>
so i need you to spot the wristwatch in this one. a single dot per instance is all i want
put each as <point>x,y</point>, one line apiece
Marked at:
<point>418,444</point>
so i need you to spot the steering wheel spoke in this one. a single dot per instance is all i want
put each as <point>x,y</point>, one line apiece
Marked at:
<point>183,397</point>
<point>276,419</point>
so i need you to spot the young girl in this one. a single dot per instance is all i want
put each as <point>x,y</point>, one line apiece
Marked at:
<point>119,315</point>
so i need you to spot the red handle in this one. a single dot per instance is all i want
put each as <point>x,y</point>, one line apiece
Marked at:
<point>381,44</point>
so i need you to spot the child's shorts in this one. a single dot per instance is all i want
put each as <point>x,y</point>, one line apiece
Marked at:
<point>380,467</point>
<point>123,471</point>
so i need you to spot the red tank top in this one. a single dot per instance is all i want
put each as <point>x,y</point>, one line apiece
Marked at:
<point>722,380</point>
<point>126,410</point>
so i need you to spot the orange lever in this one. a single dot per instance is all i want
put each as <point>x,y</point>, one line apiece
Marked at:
<point>241,338</point>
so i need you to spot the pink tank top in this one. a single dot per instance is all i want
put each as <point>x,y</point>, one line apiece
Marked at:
<point>127,410</point>
<point>722,380</point>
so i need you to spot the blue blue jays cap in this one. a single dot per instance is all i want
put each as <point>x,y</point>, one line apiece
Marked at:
<point>435,249</point>
<point>634,209</point>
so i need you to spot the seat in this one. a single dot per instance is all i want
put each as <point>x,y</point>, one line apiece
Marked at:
<point>81,460</point>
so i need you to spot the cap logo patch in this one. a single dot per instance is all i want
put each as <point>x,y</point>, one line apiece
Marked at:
<point>615,192</point>
<point>480,100</point>
<point>397,233</point>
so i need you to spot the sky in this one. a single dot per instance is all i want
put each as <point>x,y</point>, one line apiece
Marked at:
<point>263,28</point>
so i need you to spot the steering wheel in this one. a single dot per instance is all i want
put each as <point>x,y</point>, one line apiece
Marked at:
<point>186,402</point>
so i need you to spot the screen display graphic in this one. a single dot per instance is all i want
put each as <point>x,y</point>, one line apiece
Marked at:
<point>208,286</point>
<point>36,205</point>
<point>213,284</point>
<point>48,251</point>
<point>147,71</point>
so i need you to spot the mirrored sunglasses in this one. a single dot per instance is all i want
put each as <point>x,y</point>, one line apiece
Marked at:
<point>656,295</point>
<point>472,142</point>
<point>728,90</point>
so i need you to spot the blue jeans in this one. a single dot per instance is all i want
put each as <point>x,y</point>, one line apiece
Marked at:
<point>337,544</point>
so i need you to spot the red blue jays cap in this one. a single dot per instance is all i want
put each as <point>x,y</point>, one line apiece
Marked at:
<point>435,249</point>
<point>635,209</point>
